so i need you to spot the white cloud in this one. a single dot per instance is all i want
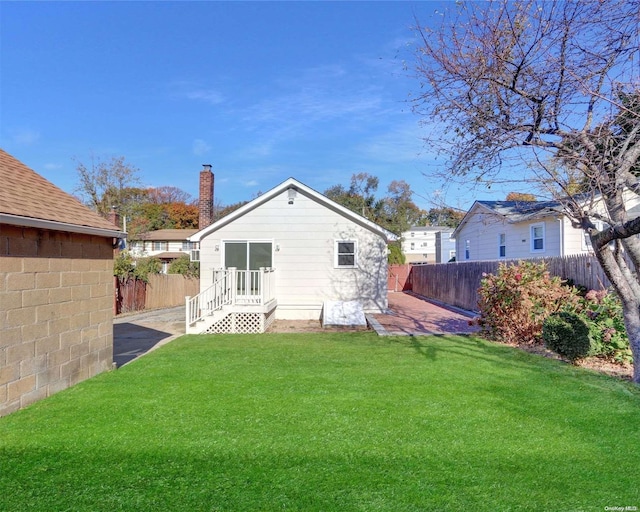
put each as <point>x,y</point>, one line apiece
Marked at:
<point>200,147</point>
<point>52,166</point>
<point>207,95</point>
<point>197,92</point>
<point>25,137</point>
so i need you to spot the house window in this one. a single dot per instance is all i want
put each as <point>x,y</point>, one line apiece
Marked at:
<point>467,249</point>
<point>413,246</point>
<point>160,246</point>
<point>189,246</point>
<point>502,245</point>
<point>345,253</point>
<point>412,234</point>
<point>537,238</point>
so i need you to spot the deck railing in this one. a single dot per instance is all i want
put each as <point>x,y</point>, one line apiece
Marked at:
<point>232,287</point>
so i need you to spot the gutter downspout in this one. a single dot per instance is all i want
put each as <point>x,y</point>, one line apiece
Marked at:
<point>562,248</point>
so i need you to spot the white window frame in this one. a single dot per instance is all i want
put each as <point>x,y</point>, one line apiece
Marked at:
<point>336,254</point>
<point>467,249</point>
<point>532,229</point>
<point>160,245</point>
<point>502,245</point>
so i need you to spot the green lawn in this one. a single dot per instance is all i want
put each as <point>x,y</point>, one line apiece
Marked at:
<point>323,422</point>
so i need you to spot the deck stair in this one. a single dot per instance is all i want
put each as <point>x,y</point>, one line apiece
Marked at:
<point>238,301</point>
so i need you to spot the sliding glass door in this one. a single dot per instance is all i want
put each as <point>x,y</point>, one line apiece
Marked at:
<point>248,257</point>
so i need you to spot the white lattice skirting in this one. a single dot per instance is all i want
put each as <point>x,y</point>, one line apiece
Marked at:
<point>243,323</point>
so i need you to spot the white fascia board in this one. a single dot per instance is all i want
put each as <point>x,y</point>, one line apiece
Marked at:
<point>467,216</point>
<point>300,187</point>
<point>31,222</point>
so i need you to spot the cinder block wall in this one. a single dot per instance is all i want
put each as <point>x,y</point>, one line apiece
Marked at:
<point>56,312</point>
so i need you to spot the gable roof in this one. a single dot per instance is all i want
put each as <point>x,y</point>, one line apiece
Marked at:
<point>301,188</point>
<point>428,229</point>
<point>167,234</point>
<point>28,199</point>
<point>513,211</point>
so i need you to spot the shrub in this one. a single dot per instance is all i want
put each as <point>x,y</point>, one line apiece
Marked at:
<point>123,266</point>
<point>183,265</point>
<point>602,311</point>
<point>515,302</point>
<point>567,334</point>
<point>146,266</point>
<point>126,267</point>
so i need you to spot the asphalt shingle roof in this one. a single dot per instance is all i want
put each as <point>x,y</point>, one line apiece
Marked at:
<point>24,193</point>
<point>518,211</point>
<point>167,234</point>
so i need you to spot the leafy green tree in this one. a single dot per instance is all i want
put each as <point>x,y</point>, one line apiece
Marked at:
<point>111,184</point>
<point>396,256</point>
<point>444,216</point>
<point>400,212</point>
<point>396,211</point>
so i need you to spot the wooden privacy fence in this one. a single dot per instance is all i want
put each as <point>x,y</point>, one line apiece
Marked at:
<point>457,283</point>
<point>161,291</point>
<point>130,295</point>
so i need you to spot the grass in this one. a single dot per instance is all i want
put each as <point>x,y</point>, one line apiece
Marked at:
<point>322,422</point>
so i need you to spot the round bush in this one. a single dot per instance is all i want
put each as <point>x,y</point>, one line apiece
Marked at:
<point>567,335</point>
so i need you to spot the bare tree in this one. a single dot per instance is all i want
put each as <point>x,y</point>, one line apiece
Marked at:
<point>546,93</point>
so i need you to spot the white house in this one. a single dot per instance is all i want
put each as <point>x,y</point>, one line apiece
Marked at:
<point>493,230</point>
<point>165,244</point>
<point>287,254</point>
<point>428,244</point>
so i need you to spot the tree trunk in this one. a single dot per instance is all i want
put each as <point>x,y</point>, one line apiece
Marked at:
<point>624,283</point>
<point>632,323</point>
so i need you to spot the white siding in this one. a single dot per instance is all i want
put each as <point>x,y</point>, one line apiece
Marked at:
<point>305,232</point>
<point>146,248</point>
<point>483,230</point>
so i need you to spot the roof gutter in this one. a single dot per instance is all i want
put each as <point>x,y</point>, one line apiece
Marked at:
<point>30,222</point>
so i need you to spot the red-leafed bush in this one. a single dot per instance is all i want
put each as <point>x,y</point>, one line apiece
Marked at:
<point>515,302</point>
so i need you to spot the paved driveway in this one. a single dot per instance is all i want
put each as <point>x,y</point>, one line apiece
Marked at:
<point>138,333</point>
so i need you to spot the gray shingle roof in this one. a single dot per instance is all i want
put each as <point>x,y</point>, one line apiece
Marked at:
<point>518,211</point>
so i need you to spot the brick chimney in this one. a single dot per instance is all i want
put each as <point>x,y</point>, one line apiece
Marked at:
<point>114,217</point>
<point>205,203</point>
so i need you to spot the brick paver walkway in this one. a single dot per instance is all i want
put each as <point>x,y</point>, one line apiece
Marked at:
<point>411,315</point>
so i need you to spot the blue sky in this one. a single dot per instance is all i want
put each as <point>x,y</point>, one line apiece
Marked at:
<point>263,91</point>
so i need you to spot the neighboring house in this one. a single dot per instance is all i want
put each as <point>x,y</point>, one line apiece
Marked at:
<point>170,244</point>
<point>445,246</point>
<point>284,255</point>
<point>56,288</point>
<point>519,229</point>
<point>428,244</point>
<point>164,244</point>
